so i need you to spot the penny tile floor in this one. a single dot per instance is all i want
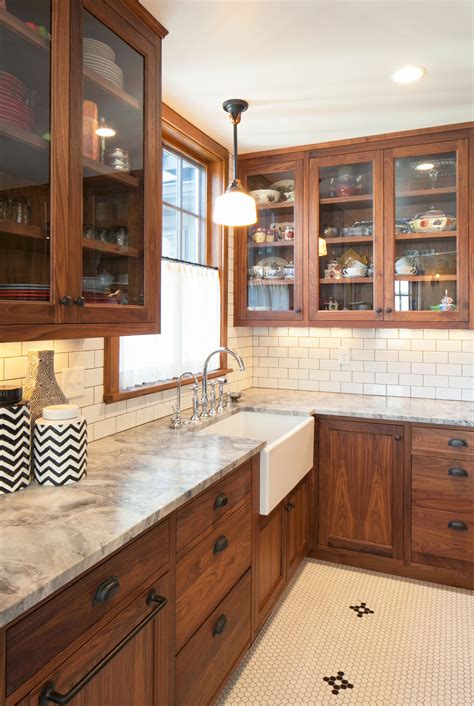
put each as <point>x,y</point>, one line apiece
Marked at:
<point>350,637</point>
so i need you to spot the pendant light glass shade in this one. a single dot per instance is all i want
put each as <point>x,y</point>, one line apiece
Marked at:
<point>235,207</point>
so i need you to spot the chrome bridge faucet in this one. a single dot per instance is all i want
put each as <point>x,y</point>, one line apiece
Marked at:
<point>204,396</point>
<point>176,420</point>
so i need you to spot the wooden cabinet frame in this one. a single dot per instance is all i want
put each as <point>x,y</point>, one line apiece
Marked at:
<point>242,314</point>
<point>39,320</point>
<point>314,313</point>
<point>383,149</point>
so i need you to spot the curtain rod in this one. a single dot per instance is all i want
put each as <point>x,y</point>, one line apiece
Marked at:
<point>185,262</point>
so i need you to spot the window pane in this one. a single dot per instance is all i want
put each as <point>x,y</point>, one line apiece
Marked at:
<point>190,179</point>
<point>170,232</point>
<point>170,174</point>
<point>190,239</point>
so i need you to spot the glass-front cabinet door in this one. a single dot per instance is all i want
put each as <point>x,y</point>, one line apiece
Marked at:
<point>117,222</point>
<point>271,249</point>
<point>346,237</point>
<point>27,225</point>
<point>426,253</point>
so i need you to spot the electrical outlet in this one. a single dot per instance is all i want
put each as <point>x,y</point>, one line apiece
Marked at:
<point>344,356</point>
<point>74,382</point>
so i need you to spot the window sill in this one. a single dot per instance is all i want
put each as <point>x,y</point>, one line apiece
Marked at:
<point>150,389</point>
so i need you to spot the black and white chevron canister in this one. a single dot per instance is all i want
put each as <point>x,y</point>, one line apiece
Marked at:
<point>60,451</point>
<point>15,447</point>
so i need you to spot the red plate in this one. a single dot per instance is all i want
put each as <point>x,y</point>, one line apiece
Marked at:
<point>16,116</point>
<point>11,94</point>
<point>14,104</point>
<point>5,77</point>
<point>17,123</point>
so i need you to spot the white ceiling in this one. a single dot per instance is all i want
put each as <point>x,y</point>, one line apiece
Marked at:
<point>316,70</point>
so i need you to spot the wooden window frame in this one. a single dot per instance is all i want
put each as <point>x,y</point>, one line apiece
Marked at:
<point>182,136</point>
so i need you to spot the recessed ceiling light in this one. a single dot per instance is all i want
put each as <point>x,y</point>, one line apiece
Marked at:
<point>424,166</point>
<point>408,74</point>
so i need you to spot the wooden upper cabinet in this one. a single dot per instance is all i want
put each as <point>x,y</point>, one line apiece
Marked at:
<point>426,259</point>
<point>345,211</point>
<point>361,487</point>
<point>269,254</point>
<point>80,161</point>
<point>395,223</point>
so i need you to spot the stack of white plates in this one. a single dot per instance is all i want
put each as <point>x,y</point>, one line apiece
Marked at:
<point>100,57</point>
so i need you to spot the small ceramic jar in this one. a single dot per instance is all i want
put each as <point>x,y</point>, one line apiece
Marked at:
<point>60,446</point>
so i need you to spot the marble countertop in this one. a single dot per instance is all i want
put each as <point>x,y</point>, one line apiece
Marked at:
<point>49,536</point>
<point>404,409</point>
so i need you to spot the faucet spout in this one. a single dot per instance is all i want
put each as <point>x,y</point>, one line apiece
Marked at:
<point>222,349</point>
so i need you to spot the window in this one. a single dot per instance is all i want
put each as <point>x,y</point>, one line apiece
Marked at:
<point>193,273</point>
<point>184,208</point>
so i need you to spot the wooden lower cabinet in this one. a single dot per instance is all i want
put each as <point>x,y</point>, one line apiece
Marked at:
<point>204,664</point>
<point>282,542</point>
<point>126,663</point>
<point>361,487</point>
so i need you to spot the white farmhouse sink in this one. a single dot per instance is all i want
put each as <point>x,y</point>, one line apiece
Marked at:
<point>287,457</point>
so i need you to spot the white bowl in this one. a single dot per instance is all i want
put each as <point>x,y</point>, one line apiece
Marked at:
<point>265,197</point>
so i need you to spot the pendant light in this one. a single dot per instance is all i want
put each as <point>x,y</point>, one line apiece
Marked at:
<point>235,207</point>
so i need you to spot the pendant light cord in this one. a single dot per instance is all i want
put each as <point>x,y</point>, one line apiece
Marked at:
<point>235,149</point>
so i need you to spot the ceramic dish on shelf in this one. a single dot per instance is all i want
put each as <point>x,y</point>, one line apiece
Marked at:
<point>286,187</point>
<point>94,46</point>
<point>433,219</point>
<point>266,261</point>
<point>265,197</point>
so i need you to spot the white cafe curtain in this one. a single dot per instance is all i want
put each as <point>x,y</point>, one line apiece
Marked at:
<point>190,328</point>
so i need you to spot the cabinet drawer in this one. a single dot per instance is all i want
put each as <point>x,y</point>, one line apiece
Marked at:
<point>208,572</point>
<point>431,534</point>
<point>205,662</point>
<point>447,442</point>
<point>124,656</point>
<point>443,483</point>
<point>217,502</point>
<point>63,619</point>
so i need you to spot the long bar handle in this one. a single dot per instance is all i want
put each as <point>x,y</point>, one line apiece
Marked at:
<point>50,695</point>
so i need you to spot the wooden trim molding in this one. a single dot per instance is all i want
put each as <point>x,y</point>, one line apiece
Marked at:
<point>180,134</point>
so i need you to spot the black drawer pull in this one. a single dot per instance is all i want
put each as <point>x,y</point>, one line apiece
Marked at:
<point>50,695</point>
<point>221,501</point>
<point>221,544</point>
<point>457,525</point>
<point>220,625</point>
<point>458,472</point>
<point>107,590</point>
<point>290,505</point>
<point>457,442</point>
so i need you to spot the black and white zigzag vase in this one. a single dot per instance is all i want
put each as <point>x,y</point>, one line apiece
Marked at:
<point>15,441</point>
<point>59,447</point>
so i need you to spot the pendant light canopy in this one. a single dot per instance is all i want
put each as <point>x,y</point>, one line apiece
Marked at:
<point>235,207</point>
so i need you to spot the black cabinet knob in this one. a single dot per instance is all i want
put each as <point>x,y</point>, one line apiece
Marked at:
<point>457,525</point>
<point>290,505</point>
<point>66,300</point>
<point>457,442</point>
<point>297,310</point>
<point>221,501</point>
<point>458,472</point>
<point>378,310</point>
<point>388,310</point>
<point>79,301</point>
<point>220,625</point>
<point>109,588</point>
<point>397,437</point>
<point>221,544</point>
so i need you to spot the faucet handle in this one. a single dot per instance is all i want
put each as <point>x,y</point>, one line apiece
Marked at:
<point>175,421</point>
<point>220,403</point>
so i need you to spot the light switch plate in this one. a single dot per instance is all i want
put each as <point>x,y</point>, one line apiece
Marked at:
<point>74,382</point>
<point>344,356</point>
